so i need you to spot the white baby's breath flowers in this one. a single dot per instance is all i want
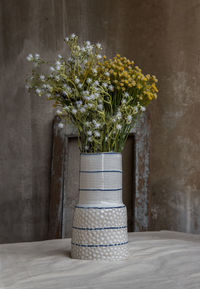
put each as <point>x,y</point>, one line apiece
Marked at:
<point>69,90</point>
<point>89,133</point>
<point>37,56</point>
<point>94,70</point>
<point>66,108</point>
<point>118,126</point>
<point>66,39</point>
<point>96,94</point>
<point>60,125</point>
<point>77,80</point>
<point>96,83</point>
<point>90,139</point>
<point>38,91</point>
<point>89,49</point>
<point>119,115</point>
<point>74,111</point>
<point>82,109</point>
<point>49,88</point>
<point>86,97</point>
<point>99,56</point>
<point>85,92</point>
<point>83,49</point>
<point>89,80</point>
<point>52,68</point>
<point>123,101</point>
<point>111,87</point>
<point>58,65</point>
<point>107,73</point>
<point>97,125</point>
<point>86,148</point>
<point>126,94</point>
<point>143,108</point>
<point>100,106</point>
<point>98,45</point>
<point>87,43</point>
<point>91,97</point>
<point>30,57</point>
<point>105,85</point>
<point>87,123</point>
<point>58,112</point>
<point>129,118</point>
<point>79,103</point>
<point>42,77</point>
<point>97,133</point>
<point>72,36</point>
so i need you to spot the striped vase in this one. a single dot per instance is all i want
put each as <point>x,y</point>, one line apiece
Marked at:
<point>100,218</point>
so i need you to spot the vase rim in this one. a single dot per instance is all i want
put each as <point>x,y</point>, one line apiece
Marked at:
<point>102,153</point>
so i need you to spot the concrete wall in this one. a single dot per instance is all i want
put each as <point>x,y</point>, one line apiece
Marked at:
<point>175,168</point>
<point>163,37</point>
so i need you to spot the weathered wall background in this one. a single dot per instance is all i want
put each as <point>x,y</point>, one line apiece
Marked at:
<point>163,37</point>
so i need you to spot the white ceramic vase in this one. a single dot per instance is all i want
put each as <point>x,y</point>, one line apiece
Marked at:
<point>100,218</point>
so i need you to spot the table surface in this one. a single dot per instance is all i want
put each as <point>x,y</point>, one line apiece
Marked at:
<point>162,259</point>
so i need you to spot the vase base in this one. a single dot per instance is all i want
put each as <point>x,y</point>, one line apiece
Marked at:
<point>100,233</point>
<point>116,252</point>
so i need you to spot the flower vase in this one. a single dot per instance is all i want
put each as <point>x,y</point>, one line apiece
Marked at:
<point>100,219</point>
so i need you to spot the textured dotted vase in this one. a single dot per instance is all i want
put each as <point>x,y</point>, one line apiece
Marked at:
<point>100,218</point>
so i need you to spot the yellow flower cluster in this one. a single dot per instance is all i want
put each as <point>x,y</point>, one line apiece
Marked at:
<point>121,73</point>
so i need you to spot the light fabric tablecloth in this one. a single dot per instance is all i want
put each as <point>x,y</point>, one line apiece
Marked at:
<point>164,260</point>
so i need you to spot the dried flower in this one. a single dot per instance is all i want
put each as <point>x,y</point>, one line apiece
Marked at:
<point>60,125</point>
<point>101,97</point>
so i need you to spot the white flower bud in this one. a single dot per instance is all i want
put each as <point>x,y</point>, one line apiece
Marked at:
<point>72,36</point>
<point>58,112</point>
<point>118,126</point>
<point>98,45</point>
<point>29,57</point>
<point>143,108</point>
<point>60,125</point>
<point>74,111</point>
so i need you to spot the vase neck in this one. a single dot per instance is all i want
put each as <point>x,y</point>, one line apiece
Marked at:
<point>101,179</point>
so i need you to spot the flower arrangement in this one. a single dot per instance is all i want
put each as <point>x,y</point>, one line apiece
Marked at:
<point>102,98</point>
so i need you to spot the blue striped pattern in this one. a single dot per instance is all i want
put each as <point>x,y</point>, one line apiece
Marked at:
<point>94,154</point>
<point>106,245</point>
<point>100,208</point>
<point>88,172</point>
<point>96,229</point>
<point>101,190</point>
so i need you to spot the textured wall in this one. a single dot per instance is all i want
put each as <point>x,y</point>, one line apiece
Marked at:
<point>175,167</point>
<point>163,37</point>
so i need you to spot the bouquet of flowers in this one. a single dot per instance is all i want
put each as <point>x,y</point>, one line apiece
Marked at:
<point>102,97</point>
